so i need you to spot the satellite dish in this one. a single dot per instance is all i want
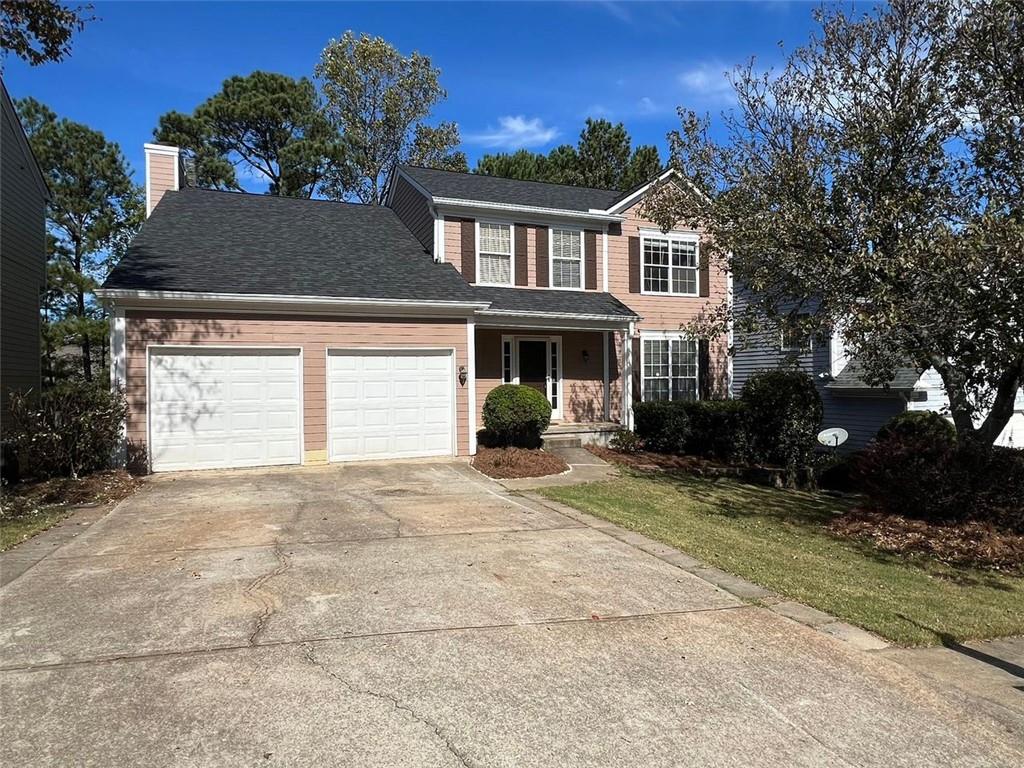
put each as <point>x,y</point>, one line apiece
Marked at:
<point>833,437</point>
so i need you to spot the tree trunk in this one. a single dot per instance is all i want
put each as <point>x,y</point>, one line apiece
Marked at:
<point>86,344</point>
<point>963,412</point>
<point>80,299</point>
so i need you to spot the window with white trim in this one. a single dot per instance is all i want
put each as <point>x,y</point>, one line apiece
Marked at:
<point>669,369</point>
<point>566,258</point>
<point>670,264</point>
<point>795,336</point>
<point>506,361</point>
<point>495,254</point>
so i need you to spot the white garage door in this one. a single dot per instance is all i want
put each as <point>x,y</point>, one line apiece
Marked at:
<point>386,405</point>
<point>211,409</point>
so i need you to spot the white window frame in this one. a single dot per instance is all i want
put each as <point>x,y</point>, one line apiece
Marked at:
<point>789,349</point>
<point>683,237</point>
<point>668,337</point>
<point>511,256</point>
<point>551,259</point>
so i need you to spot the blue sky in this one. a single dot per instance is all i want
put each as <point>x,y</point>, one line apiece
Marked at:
<point>517,74</point>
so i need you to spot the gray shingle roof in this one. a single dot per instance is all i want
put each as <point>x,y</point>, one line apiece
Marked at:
<point>230,242</point>
<point>529,300</point>
<point>493,189</point>
<point>851,378</point>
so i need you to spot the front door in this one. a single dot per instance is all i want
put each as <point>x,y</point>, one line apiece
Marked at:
<point>538,367</point>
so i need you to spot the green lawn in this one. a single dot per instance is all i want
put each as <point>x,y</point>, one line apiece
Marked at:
<point>776,539</point>
<point>14,530</point>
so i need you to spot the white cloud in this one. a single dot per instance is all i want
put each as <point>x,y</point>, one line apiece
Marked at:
<point>707,82</point>
<point>515,131</point>
<point>648,106</point>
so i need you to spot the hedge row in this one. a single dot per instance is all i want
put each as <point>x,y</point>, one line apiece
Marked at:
<point>773,422</point>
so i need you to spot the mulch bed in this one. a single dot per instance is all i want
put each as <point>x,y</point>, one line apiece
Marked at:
<point>509,463</point>
<point>971,544</point>
<point>646,460</point>
<point>103,487</point>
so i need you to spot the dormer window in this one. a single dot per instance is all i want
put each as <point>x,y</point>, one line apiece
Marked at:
<point>670,264</point>
<point>494,253</point>
<point>566,258</point>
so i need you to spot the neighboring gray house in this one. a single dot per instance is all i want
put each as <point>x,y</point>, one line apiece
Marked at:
<point>23,198</point>
<point>847,400</point>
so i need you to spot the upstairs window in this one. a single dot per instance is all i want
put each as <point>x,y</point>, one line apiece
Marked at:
<point>566,258</point>
<point>670,264</point>
<point>796,337</point>
<point>495,253</point>
<point>669,369</point>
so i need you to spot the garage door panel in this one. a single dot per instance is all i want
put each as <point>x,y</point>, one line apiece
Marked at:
<point>223,408</point>
<point>386,404</point>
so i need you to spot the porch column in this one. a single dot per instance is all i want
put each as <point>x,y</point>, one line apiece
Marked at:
<point>471,382</point>
<point>627,378</point>
<point>607,388</point>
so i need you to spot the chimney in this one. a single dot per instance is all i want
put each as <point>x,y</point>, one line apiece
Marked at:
<point>162,173</point>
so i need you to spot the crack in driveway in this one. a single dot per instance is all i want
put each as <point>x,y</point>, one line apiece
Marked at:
<point>264,600</point>
<point>310,656</point>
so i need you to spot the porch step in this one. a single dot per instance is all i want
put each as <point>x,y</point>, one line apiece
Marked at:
<point>562,441</point>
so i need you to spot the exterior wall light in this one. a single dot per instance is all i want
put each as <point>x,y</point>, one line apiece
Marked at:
<point>463,375</point>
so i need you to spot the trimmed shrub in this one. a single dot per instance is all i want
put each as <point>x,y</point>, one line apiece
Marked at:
<point>783,416</point>
<point>717,429</point>
<point>922,474</point>
<point>662,425</point>
<point>926,425</point>
<point>625,441</point>
<point>516,415</point>
<point>70,430</point>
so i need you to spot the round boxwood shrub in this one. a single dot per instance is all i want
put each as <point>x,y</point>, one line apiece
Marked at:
<point>783,416</point>
<point>515,414</point>
<point>927,426</point>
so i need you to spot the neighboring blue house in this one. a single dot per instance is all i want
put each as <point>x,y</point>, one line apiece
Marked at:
<point>848,401</point>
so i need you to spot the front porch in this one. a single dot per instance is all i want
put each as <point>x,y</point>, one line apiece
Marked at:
<point>584,373</point>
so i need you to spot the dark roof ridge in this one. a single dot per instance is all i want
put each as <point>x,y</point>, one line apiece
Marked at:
<point>507,178</point>
<point>265,196</point>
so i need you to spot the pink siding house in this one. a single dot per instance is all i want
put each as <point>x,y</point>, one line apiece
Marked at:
<point>252,330</point>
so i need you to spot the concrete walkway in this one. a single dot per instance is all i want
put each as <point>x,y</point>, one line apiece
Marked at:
<point>420,615</point>
<point>584,467</point>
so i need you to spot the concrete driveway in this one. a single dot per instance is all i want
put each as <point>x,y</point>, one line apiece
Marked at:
<point>419,615</point>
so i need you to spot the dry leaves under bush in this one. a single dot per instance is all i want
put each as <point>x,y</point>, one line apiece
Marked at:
<point>102,487</point>
<point>973,545</point>
<point>506,463</point>
<point>650,460</point>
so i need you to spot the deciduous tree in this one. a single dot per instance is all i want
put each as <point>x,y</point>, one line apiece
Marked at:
<point>379,101</point>
<point>877,178</point>
<point>39,31</point>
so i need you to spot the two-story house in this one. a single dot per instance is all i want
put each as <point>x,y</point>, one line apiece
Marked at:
<point>23,200</point>
<point>253,330</point>
<point>848,401</point>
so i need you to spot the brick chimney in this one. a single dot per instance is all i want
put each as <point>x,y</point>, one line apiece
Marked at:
<point>163,173</point>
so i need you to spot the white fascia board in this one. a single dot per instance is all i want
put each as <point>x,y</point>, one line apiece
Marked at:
<point>127,298</point>
<point>525,210</point>
<point>415,184</point>
<point>551,320</point>
<point>162,149</point>
<point>628,202</point>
